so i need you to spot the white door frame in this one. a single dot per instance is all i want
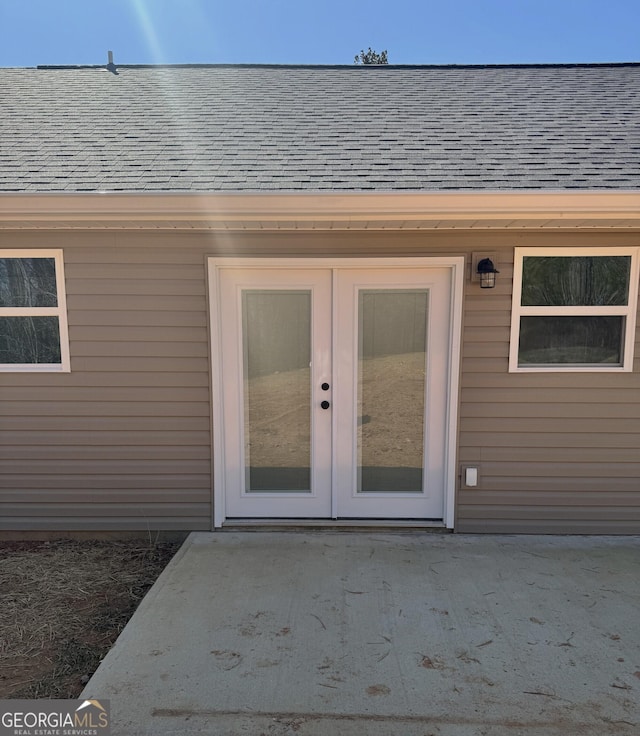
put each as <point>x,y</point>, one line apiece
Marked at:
<point>455,264</point>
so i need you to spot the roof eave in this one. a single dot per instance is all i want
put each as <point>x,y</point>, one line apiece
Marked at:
<point>319,210</point>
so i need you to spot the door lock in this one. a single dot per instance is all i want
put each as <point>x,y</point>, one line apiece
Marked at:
<point>325,386</point>
<point>325,404</point>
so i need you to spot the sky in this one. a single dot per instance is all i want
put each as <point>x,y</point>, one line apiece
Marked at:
<point>69,32</point>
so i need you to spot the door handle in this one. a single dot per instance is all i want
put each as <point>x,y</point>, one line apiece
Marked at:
<point>325,404</point>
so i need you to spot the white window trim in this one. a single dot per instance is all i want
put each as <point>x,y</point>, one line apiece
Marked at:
<point>629,311</point>
<point>60,312</point>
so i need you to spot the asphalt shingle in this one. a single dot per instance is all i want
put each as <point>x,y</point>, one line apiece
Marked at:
<point>296,128</point>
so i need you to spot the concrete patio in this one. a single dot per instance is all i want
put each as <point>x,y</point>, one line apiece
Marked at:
<point>383,634</point>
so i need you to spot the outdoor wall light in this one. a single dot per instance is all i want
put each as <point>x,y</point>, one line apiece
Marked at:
<point>487,273</point>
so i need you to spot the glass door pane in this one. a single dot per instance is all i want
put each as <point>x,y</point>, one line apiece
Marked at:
<point>276,346</point>
<point>390,394</point>
<point>392,344</point>
<point>272,355</point>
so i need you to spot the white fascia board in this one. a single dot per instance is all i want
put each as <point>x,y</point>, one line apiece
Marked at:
<point>319,210</point>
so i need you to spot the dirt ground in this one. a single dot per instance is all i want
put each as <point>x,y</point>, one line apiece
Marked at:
<point>62,606</point>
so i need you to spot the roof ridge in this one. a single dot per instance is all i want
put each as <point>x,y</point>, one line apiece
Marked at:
<point>568,65</point>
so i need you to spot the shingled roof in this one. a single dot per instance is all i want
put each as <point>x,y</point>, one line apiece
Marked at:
<point>302,128</point>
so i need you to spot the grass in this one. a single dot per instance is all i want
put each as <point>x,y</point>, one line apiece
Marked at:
<point>63,604</point>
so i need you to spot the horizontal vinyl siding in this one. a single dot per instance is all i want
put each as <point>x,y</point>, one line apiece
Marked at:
<point>123,442</point>
<point>557,453</point>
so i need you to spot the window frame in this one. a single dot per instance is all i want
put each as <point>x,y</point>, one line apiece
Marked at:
<point>628,311</point>
<point>59,311</point>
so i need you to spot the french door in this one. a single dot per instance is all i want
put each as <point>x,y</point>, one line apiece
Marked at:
<point>331,390</point>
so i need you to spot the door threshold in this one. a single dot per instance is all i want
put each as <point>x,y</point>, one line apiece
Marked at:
<point>433,525</point>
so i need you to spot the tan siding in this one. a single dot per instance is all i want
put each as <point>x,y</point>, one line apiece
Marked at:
<point>532,472</point>
<point>565,498</point>
<point>139,349</point>
<point>597,396</point>
<point>138,333</point>
<point>102,522</point>
<point>518,381</point>
<point>117,437</point>
<point>114,424</point>
<point>147,364</point>
<point>556,452</point>
<point>488,349</point>
<point>502,440</point>
<point>91,481</point>
<point>556,513</point>
<point>133,318</point>
<point>532,525</point>
<point>103,378</point>
<point>105,451</point>
<point>91,495</point>
<point>112,286</point>
<point>552,425</point>
<point>477,322</point>
<point>105,468</point>
<point>546,454</point>
<point>568,410</point>
<point>491,365</point>
<point>102,409</point>
<point>133,302</point>
<point>157,272</point>
<point>110,393</point>
<point>512,489</point>
<point>123,442</point>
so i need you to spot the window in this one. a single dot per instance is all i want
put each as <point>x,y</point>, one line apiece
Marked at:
<point>573,309</point>
<point>33,314</point>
